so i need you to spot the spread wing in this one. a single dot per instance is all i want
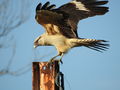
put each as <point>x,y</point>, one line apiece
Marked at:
<point>64,19</point>
<point>53,20</point>
<point>81,9</point>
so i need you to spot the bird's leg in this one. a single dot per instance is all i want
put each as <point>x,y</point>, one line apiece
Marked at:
<point>60,60</point>
<point>52,59</point>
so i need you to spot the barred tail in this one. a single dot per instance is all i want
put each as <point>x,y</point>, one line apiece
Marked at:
<point>98,45</point>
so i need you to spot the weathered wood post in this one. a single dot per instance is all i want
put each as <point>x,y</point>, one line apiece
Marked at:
<point>46,76</point>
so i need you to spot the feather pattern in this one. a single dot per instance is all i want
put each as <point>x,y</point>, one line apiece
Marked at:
<point>61,24</point>
<point>98,45</point>
<point>68,15</point>
<point>81,9</point>
<point>46,6</point>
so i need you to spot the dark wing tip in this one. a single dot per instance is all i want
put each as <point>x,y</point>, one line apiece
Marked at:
<point>99,10</point>
<point>95,7</point>
<point>98,3</point>
<point>45,6</point>
<point>51,7</point>
<point>38,7</point>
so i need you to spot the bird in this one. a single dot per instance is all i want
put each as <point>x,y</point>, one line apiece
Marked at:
<point>61,25</point>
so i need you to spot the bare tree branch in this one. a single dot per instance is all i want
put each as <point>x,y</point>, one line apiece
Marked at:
<point>21,70</point>
<point>13,13</point>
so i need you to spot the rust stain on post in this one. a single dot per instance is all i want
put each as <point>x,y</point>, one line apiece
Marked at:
<point>44,76</point>
<point>36,76</point>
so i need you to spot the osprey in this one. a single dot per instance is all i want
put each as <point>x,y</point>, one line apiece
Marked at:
<point>61,25</point>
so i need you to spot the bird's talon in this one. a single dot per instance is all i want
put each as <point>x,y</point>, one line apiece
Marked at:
<point>51,62</point>
<point>60,61</point>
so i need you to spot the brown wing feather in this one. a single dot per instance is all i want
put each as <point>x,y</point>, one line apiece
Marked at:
<point>66,17</point>
<point>81,9</point>
<point>54,21</point>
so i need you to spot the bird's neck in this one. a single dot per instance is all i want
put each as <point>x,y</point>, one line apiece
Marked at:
<point>59,41</point>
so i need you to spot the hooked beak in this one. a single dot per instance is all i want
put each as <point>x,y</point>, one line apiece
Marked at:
<point>35,46</point>
<point>36,42</point>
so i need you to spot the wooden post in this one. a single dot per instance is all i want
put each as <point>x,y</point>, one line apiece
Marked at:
<point>44,76</point>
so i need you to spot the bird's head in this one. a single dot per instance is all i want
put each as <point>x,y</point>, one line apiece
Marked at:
<point>38,42</point>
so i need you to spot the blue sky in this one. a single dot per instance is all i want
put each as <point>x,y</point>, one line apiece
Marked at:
<point>84,69</point>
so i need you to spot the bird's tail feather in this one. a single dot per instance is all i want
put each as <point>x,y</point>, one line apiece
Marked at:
<point>98,45</point>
